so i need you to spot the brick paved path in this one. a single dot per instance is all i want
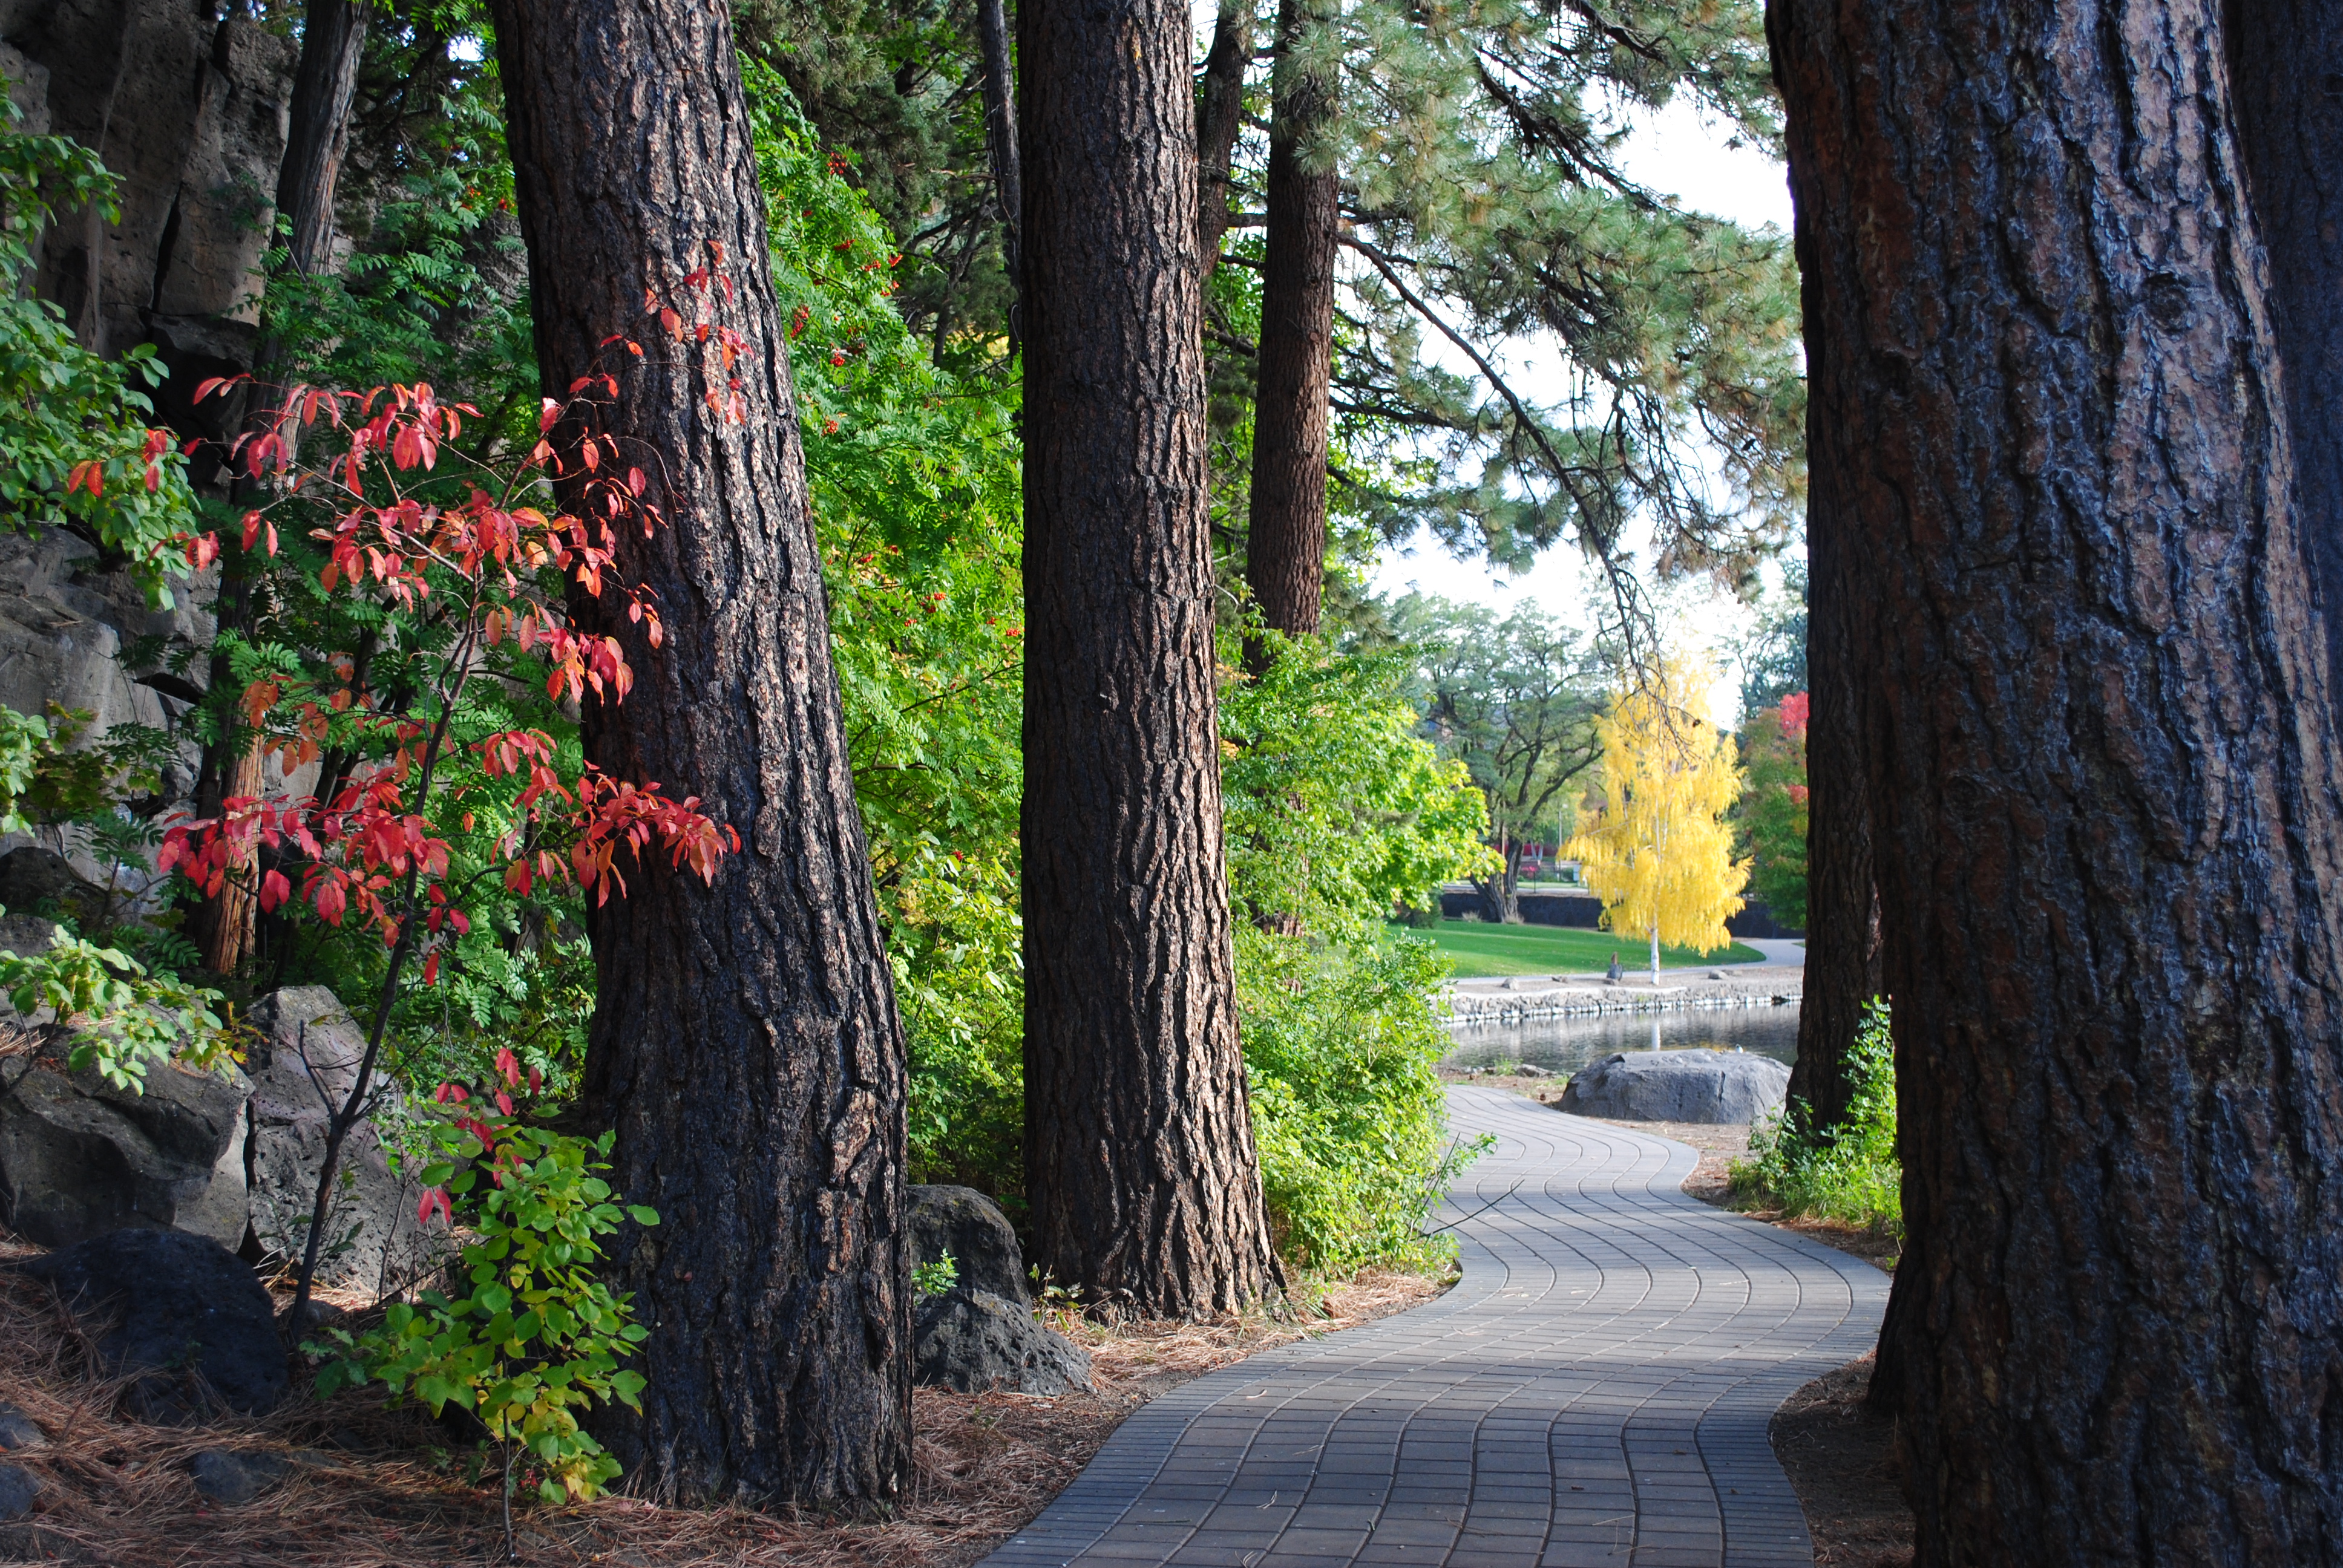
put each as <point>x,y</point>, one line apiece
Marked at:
<point>1594,1391</point>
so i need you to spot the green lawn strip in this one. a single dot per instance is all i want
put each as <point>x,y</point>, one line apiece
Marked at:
<point>1481,949</point>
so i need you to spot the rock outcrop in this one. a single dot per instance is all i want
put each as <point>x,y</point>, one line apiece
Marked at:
<point>79,1158</point>
<point>304,1062</point>
<point>64,623</point>
<point>972,1340</point>
<point>188,110</point>
<point>982,1334</point>
<point>1705,1086</point>
<point>971,1227</point>
<point>186,1310</point>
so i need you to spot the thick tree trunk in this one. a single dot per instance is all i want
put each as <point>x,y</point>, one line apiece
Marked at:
<point>1139,1159</point>
<point>745,1044</point>
<point>2285,68</point>
<point>1220,116</point>
<point>1843,957</point>
<point>2101,756</point>
<point>1285,539</point>
<point>1000,138</point>
<point>317,136</point>
<point>1501,895</point>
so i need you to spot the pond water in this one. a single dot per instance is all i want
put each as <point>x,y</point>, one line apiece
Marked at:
<point>1567,1044</point>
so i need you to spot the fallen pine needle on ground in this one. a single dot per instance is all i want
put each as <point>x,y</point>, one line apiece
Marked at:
<point>371,1488</point>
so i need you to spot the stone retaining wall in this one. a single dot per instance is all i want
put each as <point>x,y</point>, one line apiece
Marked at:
<point>1594,1000</point>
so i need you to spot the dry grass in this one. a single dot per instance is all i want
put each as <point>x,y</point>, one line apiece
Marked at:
<point>371,1488</point>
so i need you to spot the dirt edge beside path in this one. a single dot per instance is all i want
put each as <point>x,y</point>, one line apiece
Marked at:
<point>370,1488</point>
<point>1841,1458</point>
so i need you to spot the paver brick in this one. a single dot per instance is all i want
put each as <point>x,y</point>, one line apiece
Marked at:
<point>1594,1391</point>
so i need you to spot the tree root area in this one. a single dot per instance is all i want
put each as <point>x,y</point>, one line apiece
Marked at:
<point>1841,1458</point>
<point>368,1487</point>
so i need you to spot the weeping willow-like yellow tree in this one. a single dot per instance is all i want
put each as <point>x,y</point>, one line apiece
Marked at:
<point>1659,855</point>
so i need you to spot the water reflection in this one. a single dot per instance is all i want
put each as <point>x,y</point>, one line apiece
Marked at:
<point>1567,1044</point>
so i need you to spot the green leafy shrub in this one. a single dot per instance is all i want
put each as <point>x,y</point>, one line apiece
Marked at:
<point>1848,1173</point>
<point>532,1339</point>
<point>1349,1115</point>
<point>937,1278</point>
<point>1336,811</point>
<point>123,1020</point>
<point>50,775</point>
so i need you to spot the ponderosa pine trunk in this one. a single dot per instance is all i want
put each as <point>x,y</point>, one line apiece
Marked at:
<point>1844,963</point>
<point>1220,116</point>
<point>2286,67</point>
<point>2102,766</point>
<point>1000,140</point>
<point>745,1045</point>
<point>316,137</point>
<point>1843,958</point>
<point>1285,537</point>
<point>1141,1169</point>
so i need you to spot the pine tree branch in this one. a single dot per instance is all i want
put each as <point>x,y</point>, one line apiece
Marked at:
<point>1625,597</point>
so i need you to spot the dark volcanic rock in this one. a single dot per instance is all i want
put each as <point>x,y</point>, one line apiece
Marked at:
<point>971,1340</point>
<point>79,1156</point>
<point>971,1227</point>
<point>186,1307</point>
<point>1709,1086</point>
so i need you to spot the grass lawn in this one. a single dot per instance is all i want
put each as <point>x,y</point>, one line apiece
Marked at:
<point>1481,950</point>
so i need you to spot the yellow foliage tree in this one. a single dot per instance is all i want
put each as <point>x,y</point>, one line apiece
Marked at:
<point>1659,855</point>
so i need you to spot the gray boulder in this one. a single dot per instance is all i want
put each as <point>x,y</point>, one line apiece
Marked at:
<point>304,1062</point>
<point>1709,1086</point>
<point>228,1478</point>
<point>19,1490</point>
<point>187,1308</point>
<point>971,1227</point>
<point>971,1340</point>
<point>79,1156</point>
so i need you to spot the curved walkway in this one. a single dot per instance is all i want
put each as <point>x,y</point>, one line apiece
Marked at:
<point>1595,1391</point>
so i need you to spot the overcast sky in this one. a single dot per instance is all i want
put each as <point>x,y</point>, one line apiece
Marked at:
<point>1676,154</point>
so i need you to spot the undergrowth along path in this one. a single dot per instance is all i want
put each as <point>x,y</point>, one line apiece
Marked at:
<point>1594,1391</point>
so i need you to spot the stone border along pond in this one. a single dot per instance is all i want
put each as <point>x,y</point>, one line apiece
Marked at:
<point>1595,1001</point>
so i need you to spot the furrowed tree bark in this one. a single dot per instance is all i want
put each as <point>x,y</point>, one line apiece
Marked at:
<point>1139,1161</point>
<point>2104,817</point>
<point>1844,961</point>
<point>2286,63</point>
<point>1843,956</point>
<point>1220,116</point>
<point>333,41</point>
<point>745,1044</point>
<point>1285,539</point>
<point>1000,138</point>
